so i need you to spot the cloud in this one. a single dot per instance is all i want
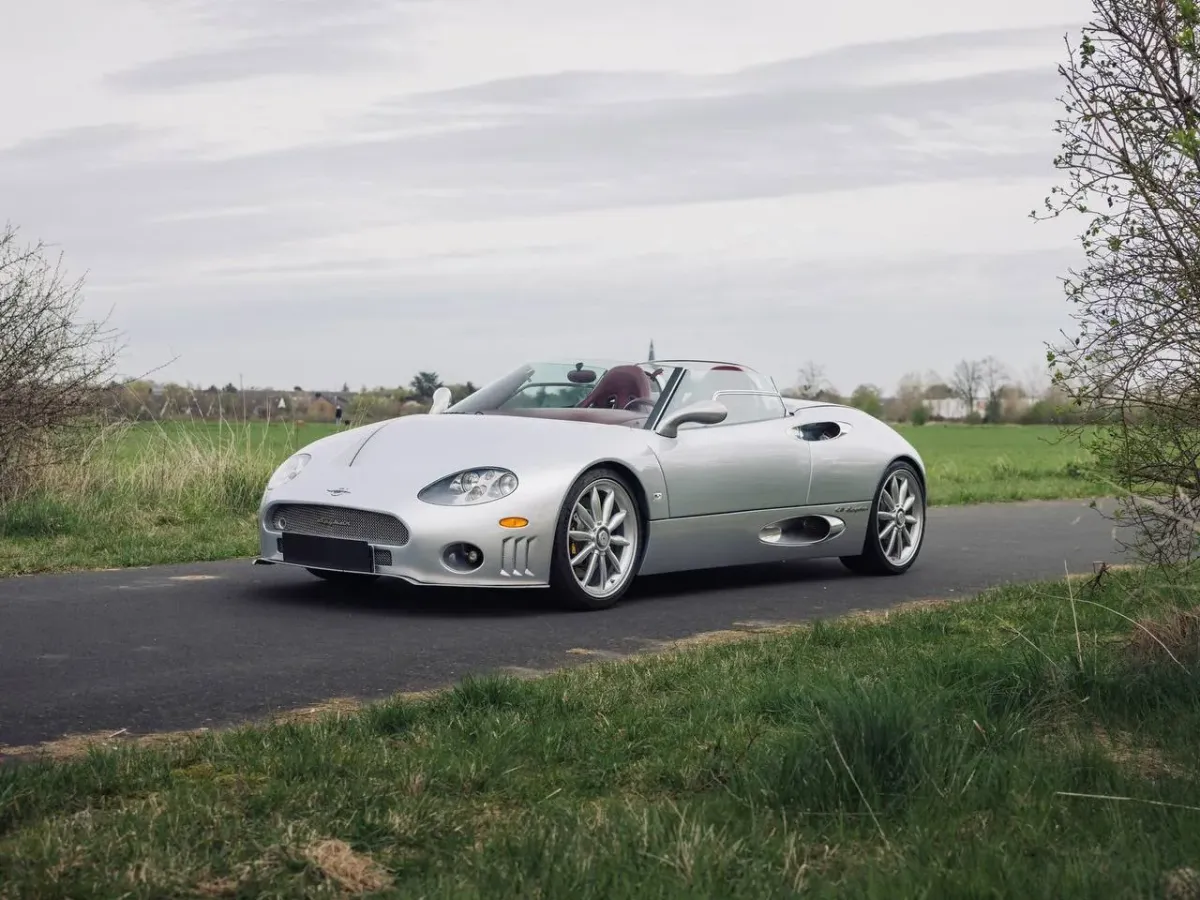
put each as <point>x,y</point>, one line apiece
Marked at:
<point>670,199</point>
<point>258,38</point>
<point>576,141</point>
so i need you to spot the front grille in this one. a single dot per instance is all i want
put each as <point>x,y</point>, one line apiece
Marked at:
<point>339,522</point>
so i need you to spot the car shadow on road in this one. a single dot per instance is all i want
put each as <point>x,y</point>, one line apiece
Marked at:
<point>389,597</point>
<point>708,581</point>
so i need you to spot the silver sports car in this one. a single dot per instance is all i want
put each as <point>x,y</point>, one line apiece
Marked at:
<point>582,475</point>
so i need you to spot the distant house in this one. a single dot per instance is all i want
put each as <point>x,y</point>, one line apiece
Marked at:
<point>952,407</point>
<point>955,408</point>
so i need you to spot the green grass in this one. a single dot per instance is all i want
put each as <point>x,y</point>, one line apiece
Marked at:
<point>931,755</point>
<point>997,463</point>
<point>181,492</point>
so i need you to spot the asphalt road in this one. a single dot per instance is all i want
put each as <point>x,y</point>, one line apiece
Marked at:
<point>208,644</point>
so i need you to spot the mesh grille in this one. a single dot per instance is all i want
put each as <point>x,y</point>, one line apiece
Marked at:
<point>340,522</point>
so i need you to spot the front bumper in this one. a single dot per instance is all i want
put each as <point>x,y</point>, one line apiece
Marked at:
<point>512,557</point>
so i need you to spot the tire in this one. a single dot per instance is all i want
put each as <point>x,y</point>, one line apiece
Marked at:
<point>875,558</point>
<point>578,586</point>
<point>346,578</point>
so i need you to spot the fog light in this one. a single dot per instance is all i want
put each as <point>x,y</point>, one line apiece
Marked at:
<point>462,557</point>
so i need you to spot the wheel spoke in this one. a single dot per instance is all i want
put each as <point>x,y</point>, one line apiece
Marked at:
<point>887,515</point>
<point>591,570</point>
<point>612,557</point>
<point>583,554</point>
<point>886,496</point>
<point>585,517</point>
<point>603,571</point>
<point>616,520</point>
<point>619,540</point>
<point>579,535</point>
<point>596,508</point>
<point>606,510</point>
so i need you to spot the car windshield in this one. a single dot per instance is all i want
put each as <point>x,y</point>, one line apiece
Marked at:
<point>562,385</point>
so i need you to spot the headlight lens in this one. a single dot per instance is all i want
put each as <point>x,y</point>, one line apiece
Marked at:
<point>289,470</point>
<point>471,487</point>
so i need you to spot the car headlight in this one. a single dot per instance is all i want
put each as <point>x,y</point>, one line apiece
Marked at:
<point>289,470</point>
<point>470,487</point>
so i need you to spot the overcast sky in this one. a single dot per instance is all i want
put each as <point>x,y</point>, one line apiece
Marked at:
<point>318,191</point>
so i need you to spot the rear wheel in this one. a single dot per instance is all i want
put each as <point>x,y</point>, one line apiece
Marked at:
<point>361,578</point>
<point>597,541</point>
<point>896,527</point>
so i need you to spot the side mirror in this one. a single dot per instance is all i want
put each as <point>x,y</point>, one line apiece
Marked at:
<point>706,412</point>
<point>441,400</point>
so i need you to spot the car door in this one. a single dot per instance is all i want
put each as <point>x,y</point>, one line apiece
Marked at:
<point>747,464</point>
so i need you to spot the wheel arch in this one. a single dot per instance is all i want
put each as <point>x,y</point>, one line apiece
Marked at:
<point>640,494</point>
<point>916,466</point>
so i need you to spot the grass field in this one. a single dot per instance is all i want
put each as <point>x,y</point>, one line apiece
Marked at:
<point>1032,743</point>
<point>178,492</point>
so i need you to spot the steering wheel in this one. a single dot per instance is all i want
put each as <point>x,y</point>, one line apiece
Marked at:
<point>636,401</point>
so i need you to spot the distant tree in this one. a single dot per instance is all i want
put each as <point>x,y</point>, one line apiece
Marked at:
<point>910,394</point>
<point>993,376</point>
<point>1131,154</point>
<point>966,381</point>
<point>461,391</point>
<point>867,397</point>
<point>423,385</point>
<point>53,364</point>
<point>939,390</point>
<point>812,380</point>
<point>230,388</point>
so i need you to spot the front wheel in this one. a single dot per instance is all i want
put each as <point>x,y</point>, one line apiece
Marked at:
<point>597,541</point>
<point>896,527</point>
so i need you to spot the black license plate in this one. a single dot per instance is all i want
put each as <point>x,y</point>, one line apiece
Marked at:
<point>328,553</point>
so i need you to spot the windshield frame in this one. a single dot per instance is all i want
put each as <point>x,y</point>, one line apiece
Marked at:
<point>667,375</point>
<point>494,395</point>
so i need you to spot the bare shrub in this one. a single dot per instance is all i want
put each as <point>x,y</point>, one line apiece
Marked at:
<point>1175,637</point>
<point>1131,151</point>
<point>52,364</point>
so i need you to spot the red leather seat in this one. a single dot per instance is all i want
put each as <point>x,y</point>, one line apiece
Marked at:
<point>617,388</point>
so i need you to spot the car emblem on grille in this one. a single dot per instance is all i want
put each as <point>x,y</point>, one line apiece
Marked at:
<point>336,492</point>
<point>334,523</point>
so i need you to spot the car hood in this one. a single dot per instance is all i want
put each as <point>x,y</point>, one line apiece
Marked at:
<point>417,450</point>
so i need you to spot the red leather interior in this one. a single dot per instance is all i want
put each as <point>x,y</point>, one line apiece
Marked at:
<point>619,386</point>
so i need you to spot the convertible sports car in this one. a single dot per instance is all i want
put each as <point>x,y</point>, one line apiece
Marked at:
<point>582,475</point>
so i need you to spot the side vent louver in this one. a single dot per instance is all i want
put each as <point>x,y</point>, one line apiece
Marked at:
<point>514,557</point>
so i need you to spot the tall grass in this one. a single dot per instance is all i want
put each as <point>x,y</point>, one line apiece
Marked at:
<point>179,476</point>
<point>186,493</point>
